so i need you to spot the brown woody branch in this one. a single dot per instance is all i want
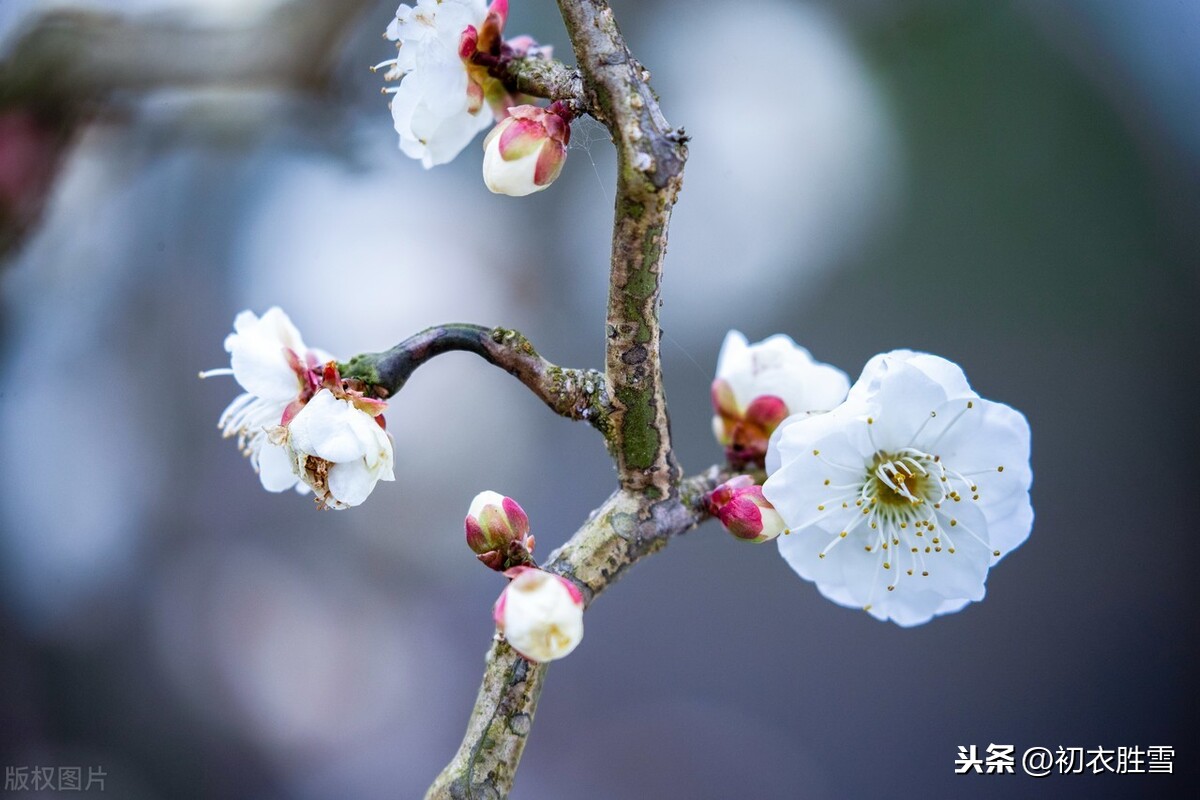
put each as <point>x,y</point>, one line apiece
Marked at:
<point>650,158</point>
<point>615,537</point>
<point>574,393</point>
<point>543,77</point>
<point>652,504</point>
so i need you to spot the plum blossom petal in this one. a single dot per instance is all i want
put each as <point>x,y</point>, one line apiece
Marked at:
<point>258,350</point>
<point>340,451</point>
<point>434,109</point>
<point>275,469</point>
<point>900,500</point>
<point>780,367</point>
<point>269,359</point>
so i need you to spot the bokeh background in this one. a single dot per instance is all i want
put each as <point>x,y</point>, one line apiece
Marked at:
<point>1014,185</point>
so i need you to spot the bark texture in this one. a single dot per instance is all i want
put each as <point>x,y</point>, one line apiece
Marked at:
<point>652,504</point>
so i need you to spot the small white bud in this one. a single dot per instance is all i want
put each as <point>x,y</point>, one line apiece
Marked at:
<point>525,152</point>
<point>540,614</point>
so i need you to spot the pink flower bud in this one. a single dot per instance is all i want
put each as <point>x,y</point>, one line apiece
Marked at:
<point>540,614</point>
<point>745,433</point>
<point>498,531</point>
<point>525,152</point>
<point>743,510</point>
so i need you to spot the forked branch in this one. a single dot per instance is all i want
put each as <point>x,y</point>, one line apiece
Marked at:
<point>652,504</point>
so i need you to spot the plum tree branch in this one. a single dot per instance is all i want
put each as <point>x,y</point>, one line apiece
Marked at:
<point>71,57</point>
<point>574,393</point>
<point>64,67</point>
<point>652,504</point>
<point>543,77</point>
<point>650,159</point>
<point>615,537</point>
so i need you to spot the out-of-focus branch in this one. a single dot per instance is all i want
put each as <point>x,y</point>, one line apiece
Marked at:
<point>574,393</point>
<point>76,56</point>
<point>616,536</point>
<point>68,65</point>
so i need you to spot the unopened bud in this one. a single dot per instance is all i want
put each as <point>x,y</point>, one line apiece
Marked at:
<point>744,512</point>
<point>498,531</point>
<point>745,432</point>
<point>525,152</point>
<point>540,614</point>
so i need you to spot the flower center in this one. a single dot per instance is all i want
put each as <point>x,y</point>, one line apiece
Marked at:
<point>905,479</point>
<point>899,512</point>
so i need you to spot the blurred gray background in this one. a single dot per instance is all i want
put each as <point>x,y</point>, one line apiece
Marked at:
<point>1013,185</point>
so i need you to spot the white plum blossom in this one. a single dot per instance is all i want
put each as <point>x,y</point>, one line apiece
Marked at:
<point>270,362</point>
<point>540,614</point>
<point>758,385</point>
<point>439,106</point>
<point>901,499</point>
<point>300,424</point>
<point>338,449</point>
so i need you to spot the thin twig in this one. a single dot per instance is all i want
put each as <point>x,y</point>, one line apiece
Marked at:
<point>574,393</point>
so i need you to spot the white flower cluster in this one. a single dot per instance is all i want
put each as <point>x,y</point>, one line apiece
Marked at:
<point>299,426</point>
<point>448,52</point>
<point>435,109</point>
<point>899,499</point>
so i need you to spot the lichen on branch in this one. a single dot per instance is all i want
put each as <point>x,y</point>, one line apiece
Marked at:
<point>650,159</point>
<point>574,393</point>
<point>652,504</point>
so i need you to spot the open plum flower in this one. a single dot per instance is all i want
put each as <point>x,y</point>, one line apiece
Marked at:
<point>338,448</point>
<point>901,499</point>
<point>447,94</point>
<point>279,374</point>
<point>300,425</point>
